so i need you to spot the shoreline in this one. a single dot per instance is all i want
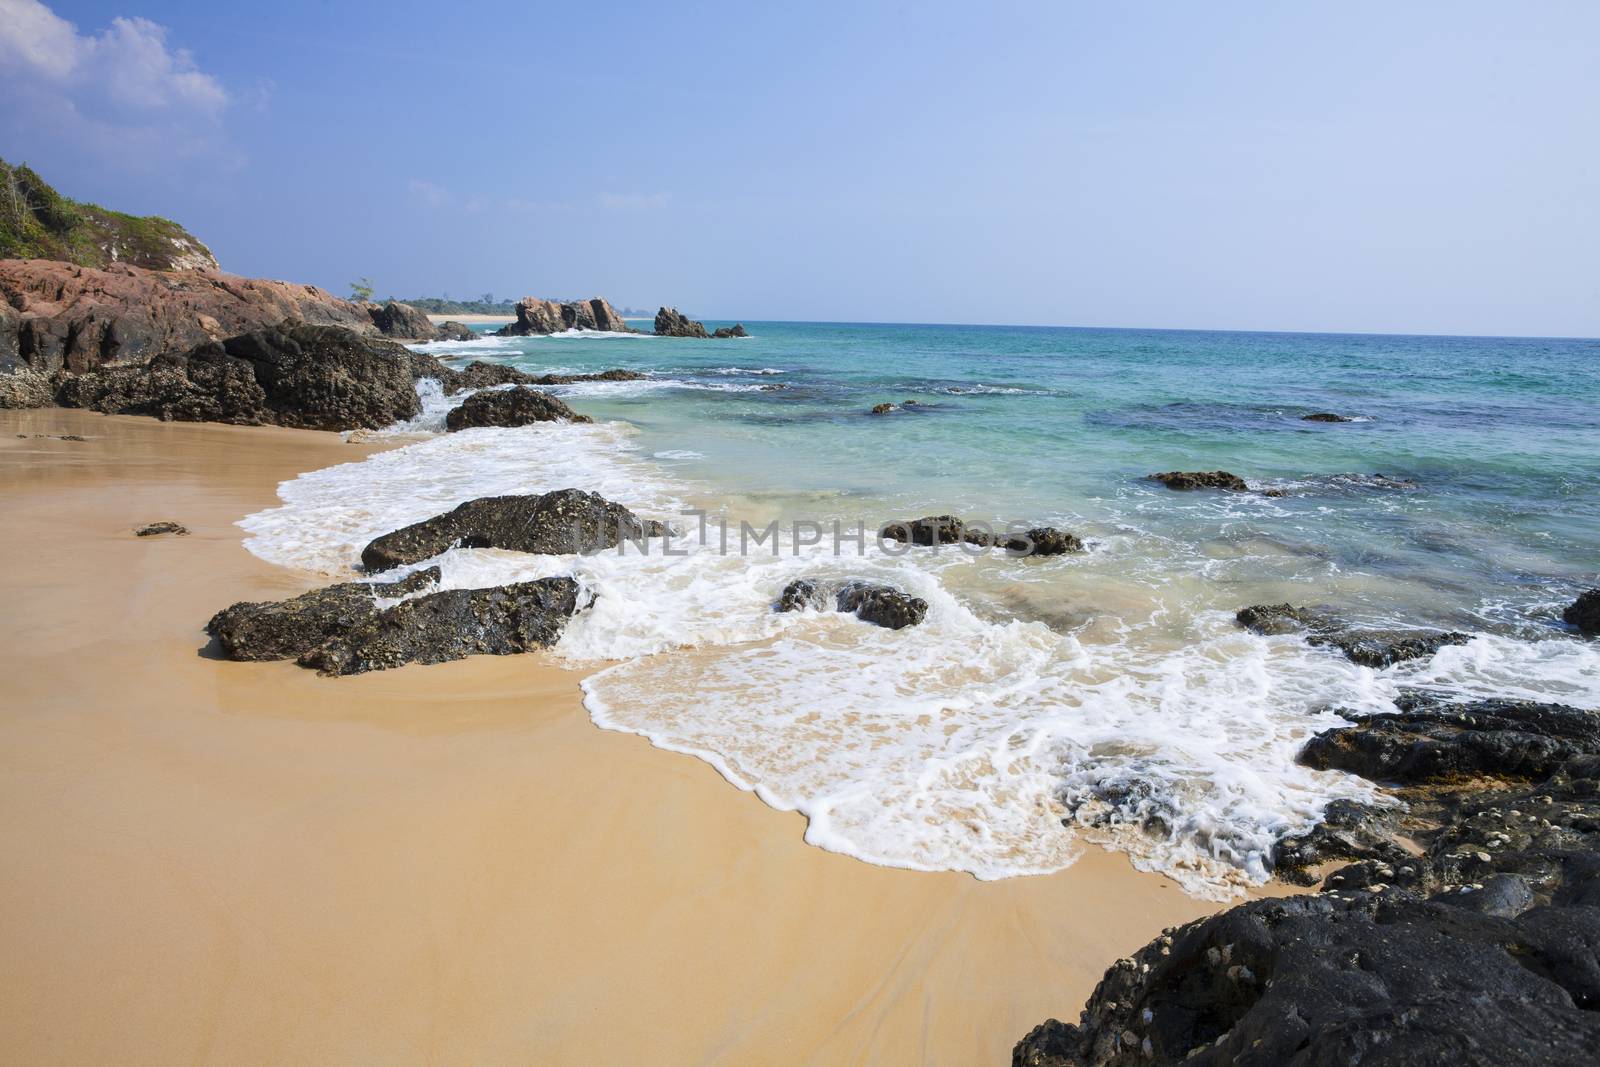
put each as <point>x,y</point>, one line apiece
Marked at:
<point>250,863</point>
<point>471,320</point>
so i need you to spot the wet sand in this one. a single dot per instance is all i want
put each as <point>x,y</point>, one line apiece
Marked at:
<point>213,862</point>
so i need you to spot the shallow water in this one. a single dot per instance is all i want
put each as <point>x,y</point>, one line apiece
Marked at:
<point>1106,696</point>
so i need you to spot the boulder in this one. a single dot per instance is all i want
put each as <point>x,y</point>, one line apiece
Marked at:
<point>1583,613</point>
<point>455,331</point>
<point>452,625</point>
<point>517,406</point>
<point>536,316</point>
<point>56,316</point>
<point>881,605</point>
<point>311,377</point>
<point>562,522</point>
<point>1370,647</point>
<point>287,629</point>
<point>882,409</point>
<point>736,330</point>
<point>1326,416</point>
<point>671,323</point>
<point>1201,480</point>
<point>402,321</point>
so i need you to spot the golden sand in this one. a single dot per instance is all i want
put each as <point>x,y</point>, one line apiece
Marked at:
<point>212,862</point>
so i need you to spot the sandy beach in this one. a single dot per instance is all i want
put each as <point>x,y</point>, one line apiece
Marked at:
<point>215,862</point>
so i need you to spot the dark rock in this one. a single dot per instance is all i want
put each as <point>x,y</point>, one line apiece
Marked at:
<point>949,530</point>
<point>312,377</point>
<point>452,625</point>
<point>562,522</point>
<point>536,316</point>
<point>455,331</point>
<point>1584,613</point>
<point>1367,646</point>
<point>481,375</point>
<point>402,321</point>
<point>287,629</point>
<point>880,605</point>
<point>670,323</point>
<point>1201,480</point>
<point>882,409</point>
<point>1326,416</point>
<point>517,406</point>
<point>1429,741</point>
<point>156,529</point>
<point>1349,830</point>
<point>736,330</point>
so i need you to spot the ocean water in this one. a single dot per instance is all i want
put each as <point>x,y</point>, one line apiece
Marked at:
<point>1106,697</point>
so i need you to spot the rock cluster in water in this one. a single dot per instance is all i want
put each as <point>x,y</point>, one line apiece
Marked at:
<point>1370,647</point>
<point>1186,480</point>
<point>881,605</point>
<point>535,317</point>
<point>670,322</point>
<point>345,629</point>
<point>562,522</point>
<point>1584,613</point>
<point>517,406</point>
<point>949,530</point>
<point>1326,416</point>
<point>1481,949</point>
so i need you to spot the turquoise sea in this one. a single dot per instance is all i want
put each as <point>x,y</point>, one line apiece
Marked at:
<point>1105,697</point>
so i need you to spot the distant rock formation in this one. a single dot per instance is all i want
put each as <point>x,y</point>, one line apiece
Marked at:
<point>456,331</point>
<point>402,322</point>
<point>671,323</point>
<point>312,377</point>
<point>517,406</point>
<point>36,222</point>
<point>736,330</point>
<point>536,316</point>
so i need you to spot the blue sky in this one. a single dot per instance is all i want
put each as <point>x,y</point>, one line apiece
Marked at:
<point>1412,167</point>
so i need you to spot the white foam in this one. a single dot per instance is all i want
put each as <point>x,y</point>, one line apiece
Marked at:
<point>678,453</point>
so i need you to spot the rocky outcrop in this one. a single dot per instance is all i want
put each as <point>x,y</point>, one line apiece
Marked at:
<point>1584,613</point>
<point>949,530</point>
<point>1479,949</point>
<point>536,316</point>
<point>1368,646</point>
<point>517,406</point>
<point>452,625</point>
<point>402,322</point>
<point>311,377</point>
<point>736,330</point>
<point>23,388</point>
<point>353,627</point>
<point>1186,480</point>
<point>881,605</point>
<point>36,222</point>
<point>56,316</point>
<point>157,529</point>
<point>671,323</point>
<point>562,522</point>
<point>481,375</point>
<point>287,629</point>
<point>455,331</point>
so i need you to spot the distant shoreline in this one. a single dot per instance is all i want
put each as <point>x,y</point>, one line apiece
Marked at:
<point>470,320</point>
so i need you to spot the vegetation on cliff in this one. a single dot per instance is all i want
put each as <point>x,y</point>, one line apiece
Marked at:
<point>36,222</point>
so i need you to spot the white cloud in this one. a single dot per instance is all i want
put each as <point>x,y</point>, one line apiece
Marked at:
<point>632,201</point>
<point>429,193</point>
<point>127,67</point>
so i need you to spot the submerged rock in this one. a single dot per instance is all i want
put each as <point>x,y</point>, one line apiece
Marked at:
<point>562,522</point>
<point>452,625</point>
<point>736,330</point>
<point>882,409</point>
<point>1584,613</point>
<point>1367,646</point>
<point>286,629</point>
<point>156,529</point>
<point>517,406</point>
<point>311,377</point>
<point>1326,416</point>
<point>949,530</point>
<point>881,605</point>
<point>1201,480</point>
<point>671,323</point>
